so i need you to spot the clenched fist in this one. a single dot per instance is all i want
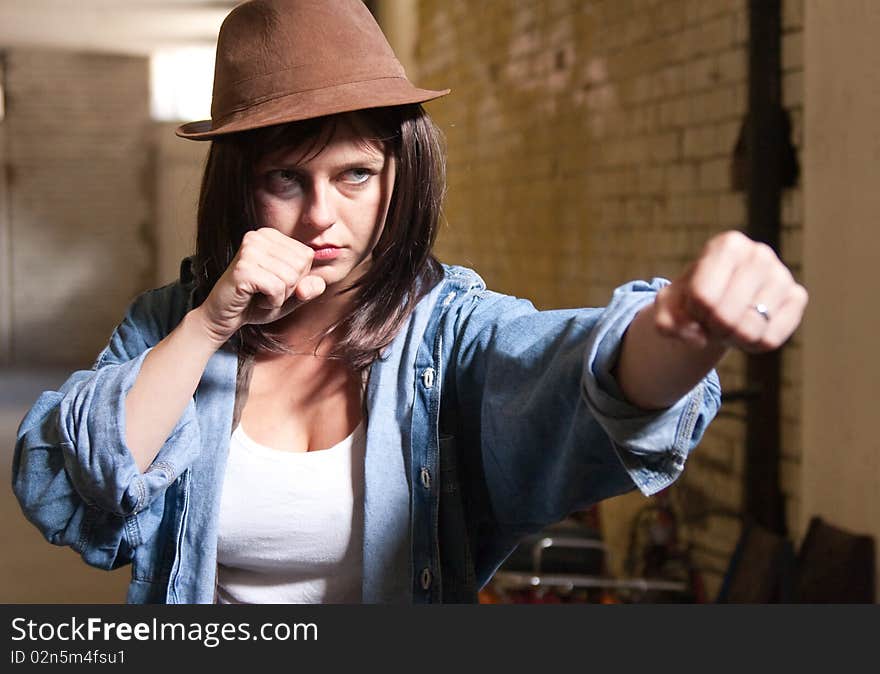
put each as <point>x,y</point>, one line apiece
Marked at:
<point>266,280</point>
<point>737,293</point>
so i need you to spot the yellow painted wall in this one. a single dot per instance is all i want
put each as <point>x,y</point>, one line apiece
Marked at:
<point>841,444</point>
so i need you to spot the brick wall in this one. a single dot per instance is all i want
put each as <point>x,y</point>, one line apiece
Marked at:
<point>79,203</point>
<point>590,143</point>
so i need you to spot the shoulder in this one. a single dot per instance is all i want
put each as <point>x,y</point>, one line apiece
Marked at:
<point>464,304</point>
<point>156,312</point>
<point>149,318</point>
<point>464,291</point>
<point>456,277</point>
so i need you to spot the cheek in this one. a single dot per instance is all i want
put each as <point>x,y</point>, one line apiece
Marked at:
<point>383,197</point>
<point>373,215</point>
<point>273,213</point>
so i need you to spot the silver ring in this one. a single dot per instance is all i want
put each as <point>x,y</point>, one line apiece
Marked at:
<point>762,310</point>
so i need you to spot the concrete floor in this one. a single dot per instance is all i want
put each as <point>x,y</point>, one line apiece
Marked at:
<point>32,571</point>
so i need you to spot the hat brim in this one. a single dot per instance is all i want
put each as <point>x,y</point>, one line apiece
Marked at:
<point>303,105</point>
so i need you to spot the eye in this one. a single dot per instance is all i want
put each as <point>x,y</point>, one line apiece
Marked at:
<point>357,176</point>
<point>282,180</point>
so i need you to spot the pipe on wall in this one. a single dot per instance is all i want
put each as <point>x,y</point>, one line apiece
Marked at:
<point>766,145</point>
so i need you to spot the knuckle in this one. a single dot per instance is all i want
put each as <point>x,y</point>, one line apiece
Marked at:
<point>784,275</point>
<point>279,287</point>
<point>730,239</point>
<point>702,298</point>
<point>753,333</point>
<point>763,252</point>
<point>299,245</point>
<point>664,327</point>
<point>248,249</point>
<point>768,341</point>
<point>302,256</point>
<point>726,318</point>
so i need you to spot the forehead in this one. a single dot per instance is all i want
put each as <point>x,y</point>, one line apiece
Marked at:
<point>338,141</point>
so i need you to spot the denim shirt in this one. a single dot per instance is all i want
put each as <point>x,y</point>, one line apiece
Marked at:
<point>486,420</point>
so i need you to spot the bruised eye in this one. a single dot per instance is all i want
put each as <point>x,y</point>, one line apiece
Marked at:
<point>357,176</point>
<point>282,180</point>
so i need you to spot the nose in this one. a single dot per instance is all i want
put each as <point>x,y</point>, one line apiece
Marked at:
<point>319,211</point>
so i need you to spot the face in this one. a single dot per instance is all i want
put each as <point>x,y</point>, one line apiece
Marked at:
<point>334,202</point>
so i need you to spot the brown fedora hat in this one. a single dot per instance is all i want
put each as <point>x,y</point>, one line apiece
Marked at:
<point>288,60</point>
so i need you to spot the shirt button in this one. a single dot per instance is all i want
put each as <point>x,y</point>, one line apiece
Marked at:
<point>428,377</point>
<point>426,578</point>
<point>426,478</point>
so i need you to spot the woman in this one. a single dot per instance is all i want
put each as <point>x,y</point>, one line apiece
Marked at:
<point>271,427</point>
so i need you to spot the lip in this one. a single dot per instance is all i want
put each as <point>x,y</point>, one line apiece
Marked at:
<point>325,251</point>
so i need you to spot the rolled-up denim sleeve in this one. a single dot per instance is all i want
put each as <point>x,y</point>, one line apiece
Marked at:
<point>91,427</point>
<point>652,445</point>
<point>554,432</point>
<point>72,472</point>
<point>48,498</point>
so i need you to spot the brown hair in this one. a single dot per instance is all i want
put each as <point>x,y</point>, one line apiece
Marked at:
<point>403,269</point>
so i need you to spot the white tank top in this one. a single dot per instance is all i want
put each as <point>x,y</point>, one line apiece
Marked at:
<point>291,524</point>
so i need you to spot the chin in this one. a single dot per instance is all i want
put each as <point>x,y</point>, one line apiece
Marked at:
<point>333,276</point>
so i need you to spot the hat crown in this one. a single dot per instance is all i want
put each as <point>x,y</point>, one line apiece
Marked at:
<point>282,61</point>
<point>269,48</point>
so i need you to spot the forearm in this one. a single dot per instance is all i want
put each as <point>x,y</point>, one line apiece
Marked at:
<point>167,380</point>
<point>653,370</point>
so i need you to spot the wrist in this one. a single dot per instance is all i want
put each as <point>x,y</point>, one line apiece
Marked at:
<point>196,323</point>
<point>654,369</point>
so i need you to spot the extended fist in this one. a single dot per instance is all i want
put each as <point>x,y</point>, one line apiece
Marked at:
<point>266,280</point>
<point>737,293</point>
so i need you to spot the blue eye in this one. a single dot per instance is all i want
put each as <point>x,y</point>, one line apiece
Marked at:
<point>358,176</point>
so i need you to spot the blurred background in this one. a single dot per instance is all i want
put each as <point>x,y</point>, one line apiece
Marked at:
<point>590,142</point>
